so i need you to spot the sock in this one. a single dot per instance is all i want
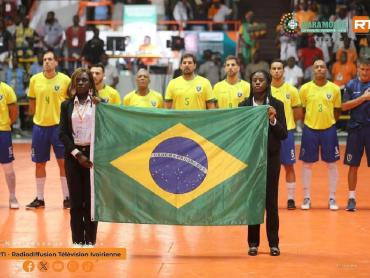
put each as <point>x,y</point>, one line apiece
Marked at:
<point>333,179</point>
<point>10,178</point>
<point>291,190</point>
<point>352,194</point>
<point>40,185</point>
<point>63,181</point>
<point>306,179</point>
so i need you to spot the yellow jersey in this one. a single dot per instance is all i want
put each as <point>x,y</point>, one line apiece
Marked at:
<point>189,94</point>
<point>109,95</point>
<point>152,99</point>
<point>319,102</point>
<point>7,96</point>
<point>230,95</point>
<point>48,94</point>
<point>287,94</point>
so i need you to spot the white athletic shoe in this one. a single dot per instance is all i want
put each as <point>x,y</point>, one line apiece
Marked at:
<point>306,204</point>
<point>13,203</point>
<point>333,204</point>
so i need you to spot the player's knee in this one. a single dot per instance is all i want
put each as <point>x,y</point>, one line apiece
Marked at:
<point>8,168</point>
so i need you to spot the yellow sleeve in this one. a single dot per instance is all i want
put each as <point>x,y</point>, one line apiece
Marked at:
<point>296,101</point>
<point>65,93</point>
<point>10,96</point>
<point>337,97</point>
<point>126,99</point>
<point>116,98</point>
<point>247,89</point>
<point>302,95</point>
<point>168,95</point>
<point>160,101</point>
<point>31,90</point>
<point>215,90</point>
<point>208,90</point>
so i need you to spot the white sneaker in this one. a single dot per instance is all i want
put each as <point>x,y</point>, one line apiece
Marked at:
<point>13,203</point>
<point>306,204</point>
<point>333,204</point>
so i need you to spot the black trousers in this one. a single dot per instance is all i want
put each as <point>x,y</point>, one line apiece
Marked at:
<point>83,229</point>
<point>272,215</point>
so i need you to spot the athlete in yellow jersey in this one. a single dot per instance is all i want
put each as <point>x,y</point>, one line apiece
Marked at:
<point>231,91</point>
<point>321,103</point>
<point>47,91</point>
<point>288,95</point>
<point>143,96</point>
<point>189,91</point>
<point>8,115</point>
<point>105,92</point>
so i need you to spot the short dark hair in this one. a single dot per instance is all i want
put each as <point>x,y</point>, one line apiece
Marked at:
<point>98,65</point>
<point>232,57</point>
<point>188,55</point>
<point>50,51</point>
<point>363,61</point>
<point>276,61</point>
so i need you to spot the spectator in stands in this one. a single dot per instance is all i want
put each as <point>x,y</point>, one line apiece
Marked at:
<point>343,70</point>
<point>257,64</point>
<point>25,37</point>
<point>5,47</point>
<point>342,18</point>
<point>183,12</point>
<point>93,49</point>
<point>52,34</point>
<point>111,72</point>
<point>9,8</point>
<point>36,67</point>
<point>292,73</point>
<point>246,43</point>
<point>209,69</point>
<point>351,51</point>
<point>288,46</point>
<point>308,55</point>
<point>16,78</point>
<point>365,49</point>
<point>304,13</point>
<point>324,42</point>
<point>147,48</point>
<point>219,14</point>
<point>75,40</point>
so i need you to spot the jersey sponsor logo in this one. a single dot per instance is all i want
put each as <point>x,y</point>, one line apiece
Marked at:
<point>1,97</point>
<point>328,96</point>
<point>239,94</point>
<point>287,96</point>
<point>336,151</point>
<point>56,87</point>
<point>154,103</point>
<point>198,88</point>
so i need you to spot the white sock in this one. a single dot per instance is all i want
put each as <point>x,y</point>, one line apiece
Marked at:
<point>333,179</point>
<point>40,185</point>
<point>10,178</point>
<point>352,194</point>
<point>306,179</point>
<point>291,190</point>
<point>63,181</point>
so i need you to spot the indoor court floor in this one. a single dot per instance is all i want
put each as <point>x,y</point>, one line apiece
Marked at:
<point>314,243</point>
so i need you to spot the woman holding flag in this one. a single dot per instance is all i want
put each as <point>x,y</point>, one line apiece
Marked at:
<point>75,132</point>
<point>261,95</point>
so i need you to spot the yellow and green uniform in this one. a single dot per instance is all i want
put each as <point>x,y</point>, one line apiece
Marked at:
<point>230,95</point>
<point>7,96</point>
<point>109,95</point>
<point>152,99</point>
<point>189,94</point>
<point>48,94</point>
<point>319,102</point>
<point>287,94</point>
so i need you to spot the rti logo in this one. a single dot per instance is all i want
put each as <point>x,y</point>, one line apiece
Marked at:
<point>361,24</point>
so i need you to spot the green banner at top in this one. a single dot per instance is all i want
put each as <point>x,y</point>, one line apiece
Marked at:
<point>179,167</point>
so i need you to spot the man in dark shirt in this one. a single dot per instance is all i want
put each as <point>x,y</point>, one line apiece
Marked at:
<point>93,49</point>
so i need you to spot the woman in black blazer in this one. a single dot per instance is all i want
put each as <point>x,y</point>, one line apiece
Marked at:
<point>261,95</point>
<point>75,134</point>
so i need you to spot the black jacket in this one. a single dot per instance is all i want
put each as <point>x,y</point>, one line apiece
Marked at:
<point>65,125</point>
<point>277,132</point>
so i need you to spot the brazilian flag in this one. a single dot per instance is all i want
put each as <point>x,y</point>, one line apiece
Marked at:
<point>173,167</point>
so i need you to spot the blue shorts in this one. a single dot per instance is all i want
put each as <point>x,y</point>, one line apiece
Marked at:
<point>326,139</point>
<point>287,150</point>
<point>43,137</point>
<point>358,139</point>
<point>6,147</point>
